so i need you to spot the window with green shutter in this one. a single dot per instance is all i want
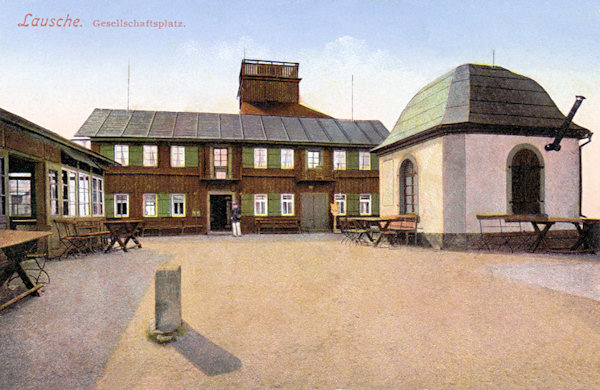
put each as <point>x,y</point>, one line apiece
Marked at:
<point>274,158</point>
<point>248,157</point>
<point>374,162</point>
<point>274,208</point>
<point>352,159</point>
<point>109,205</point>
<point>107,150</point>
<point>135,155</point>
<point>353,204</point>
<point>191,156</point>
<point>164,205</point>
<point>247,206</point>
<point>375,204</point>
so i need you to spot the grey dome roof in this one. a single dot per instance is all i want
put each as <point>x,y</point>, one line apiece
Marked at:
<point>491,98</point>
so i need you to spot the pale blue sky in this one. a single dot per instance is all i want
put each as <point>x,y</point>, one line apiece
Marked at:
<point>56,76</point>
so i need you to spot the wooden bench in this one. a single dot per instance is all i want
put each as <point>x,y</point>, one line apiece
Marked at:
<point>278,224</point>
<point>81,235</point>
<point>172,225</point>
<point>496,231</point>
<point>401,226</point>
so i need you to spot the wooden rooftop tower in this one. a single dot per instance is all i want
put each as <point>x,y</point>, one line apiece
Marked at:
<point>272,88</point>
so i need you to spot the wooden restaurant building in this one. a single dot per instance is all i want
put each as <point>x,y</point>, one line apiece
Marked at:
<point>277,157</point>
<point>44,176</point>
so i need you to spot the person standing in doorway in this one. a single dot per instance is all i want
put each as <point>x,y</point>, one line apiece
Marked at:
<point>236,214</point>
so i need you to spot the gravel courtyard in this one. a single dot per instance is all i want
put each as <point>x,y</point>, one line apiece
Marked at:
<point>305,311</point>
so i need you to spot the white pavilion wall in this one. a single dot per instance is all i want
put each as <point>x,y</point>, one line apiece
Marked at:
<point>487,175</point>
<point>428,159</point>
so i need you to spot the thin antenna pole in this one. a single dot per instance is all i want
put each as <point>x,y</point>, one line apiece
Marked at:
<point>128,80</point>
<point>352,98</point>
<point>493,58</point>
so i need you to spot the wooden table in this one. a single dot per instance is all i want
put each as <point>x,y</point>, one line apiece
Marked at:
<point>122,231</point>
<point>15,244</point>
<point>584,228</point>
<point>367,224</point>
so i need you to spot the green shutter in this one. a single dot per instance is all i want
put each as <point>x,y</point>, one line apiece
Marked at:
<point>109,206</point>
<point>135,155</point>
<point>164,205</point>
<point>374,162</point>
<point>247,206</point>
<point>274,158</point>
<point>191,156</point>
<point>107,150</point>
<point>375,204</point>
<point>274,205</point>
<point>248,158</point>
<point>352,205</point>
<point>351,159</point>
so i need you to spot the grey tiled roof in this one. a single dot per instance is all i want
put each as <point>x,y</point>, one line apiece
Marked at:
<point>76,151</point>
<point>106,123</point>
<point>479,95</point>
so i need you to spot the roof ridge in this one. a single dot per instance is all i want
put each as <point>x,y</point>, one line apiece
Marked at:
<point>220,131</point>
<point>308,137</point>
<point>364,133</point>
<point>341,129</point>
<point>151,123</point>
<point>104,121</point>
<point>285,129</point>
<point>127,124</point>
<point>262,126</point>
<point>174,124</point>
<point>322,128</point>
<point>358,124</point>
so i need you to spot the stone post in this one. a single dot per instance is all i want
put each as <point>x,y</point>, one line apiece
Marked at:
<point>167,321</point>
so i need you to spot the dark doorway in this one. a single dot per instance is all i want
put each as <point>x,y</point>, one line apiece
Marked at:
<point>220,212</point>
<point>315,211</point>
<point>526,173</point>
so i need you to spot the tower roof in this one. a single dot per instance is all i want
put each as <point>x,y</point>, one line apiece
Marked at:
<point>479,98</point>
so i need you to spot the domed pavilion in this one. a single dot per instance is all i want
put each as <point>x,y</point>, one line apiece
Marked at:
<point>473,141</point>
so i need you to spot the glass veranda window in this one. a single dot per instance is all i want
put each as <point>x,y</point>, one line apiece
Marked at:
<point>19,192</point>
<point>84,195</point>
<point>97,196</point>
<point>53,191</point>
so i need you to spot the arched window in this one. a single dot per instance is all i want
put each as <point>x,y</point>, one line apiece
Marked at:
<point>408,187</point>
<point>526,182</point>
